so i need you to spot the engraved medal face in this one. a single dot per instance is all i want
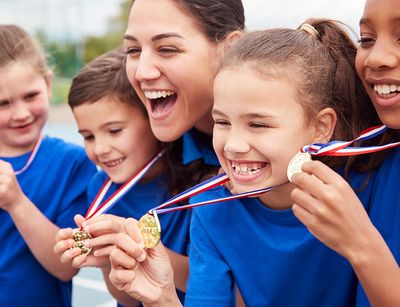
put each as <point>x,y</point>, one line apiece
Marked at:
<point>150,228</point>
<point>296,163</point>
<point>80,237</point>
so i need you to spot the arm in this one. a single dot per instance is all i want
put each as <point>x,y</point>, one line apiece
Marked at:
<point>37,231</point>
<point>326,204</point>
<point>180,264</point>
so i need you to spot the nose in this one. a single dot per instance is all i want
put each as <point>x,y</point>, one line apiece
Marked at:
<point>20,111</point>
<point>236,143</point>
<point>382,55</point>
<point>147,68</point>
<point>101,147</point>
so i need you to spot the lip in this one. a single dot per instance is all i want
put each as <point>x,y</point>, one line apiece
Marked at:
<point>106,164</point>
<point>22,128</point>
<point>379,100</point>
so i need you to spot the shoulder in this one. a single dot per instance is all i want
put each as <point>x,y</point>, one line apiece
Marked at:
<point>59,147</point>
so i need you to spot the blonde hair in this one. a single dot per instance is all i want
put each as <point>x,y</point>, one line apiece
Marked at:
<point>18,45</point>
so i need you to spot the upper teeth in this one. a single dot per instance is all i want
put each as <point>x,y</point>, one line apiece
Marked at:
<point>386,88</point>
<point>157,94</point>
<point>247,167</point>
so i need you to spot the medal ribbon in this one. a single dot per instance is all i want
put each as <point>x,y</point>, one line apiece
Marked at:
<point>202,187</point>
<point>96,208</point>
<point>32,156</point>
<point>341,148</point>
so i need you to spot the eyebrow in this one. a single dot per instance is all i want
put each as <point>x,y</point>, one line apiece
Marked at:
<point>156,37</point>
<point>364,20</point>
<point>245,115</point>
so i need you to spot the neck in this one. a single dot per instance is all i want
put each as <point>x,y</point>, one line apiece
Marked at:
<point>279,198</point>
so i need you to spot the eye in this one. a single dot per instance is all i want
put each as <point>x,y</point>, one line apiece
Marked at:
<point>366,41</point>
<point>168,50</point>
<point>88,137</point>
<point>258,125</point>
<point>115,131</point>
<point>221,122</point>
<point>133,51</point>
<point>4,104</point>
<point>31,95</point>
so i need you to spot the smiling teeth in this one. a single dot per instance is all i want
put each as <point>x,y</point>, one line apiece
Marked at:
<point>157,94</point>
<point>113,163</point>
<point>386,88</point>
<point>247,168</point>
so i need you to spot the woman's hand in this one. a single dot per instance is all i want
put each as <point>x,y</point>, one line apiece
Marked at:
<point>146,275</point>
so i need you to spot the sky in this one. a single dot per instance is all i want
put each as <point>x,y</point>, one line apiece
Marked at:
<point>74,19</point>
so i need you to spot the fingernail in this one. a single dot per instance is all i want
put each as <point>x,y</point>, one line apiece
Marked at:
<point>142,257</point>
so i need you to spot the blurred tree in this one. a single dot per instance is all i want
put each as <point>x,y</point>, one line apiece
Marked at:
<point>97,45</point>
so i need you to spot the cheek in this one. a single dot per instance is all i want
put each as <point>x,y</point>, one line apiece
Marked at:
<point>359,63</point>
<point>89,149</point>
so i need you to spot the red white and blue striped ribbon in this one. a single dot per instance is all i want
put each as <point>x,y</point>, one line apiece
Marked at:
<point>32,156</point>
<point>341,148</point>
<point>96,208</point>
<point>202,187</point>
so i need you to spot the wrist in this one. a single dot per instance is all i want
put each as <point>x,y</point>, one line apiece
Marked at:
<point>168,298</point>
<point>18,206</point>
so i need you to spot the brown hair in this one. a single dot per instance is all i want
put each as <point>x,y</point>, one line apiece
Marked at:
<point>105,76</point>
<point>17,45</point>
<point>320,62</point>
<point>216,18</point>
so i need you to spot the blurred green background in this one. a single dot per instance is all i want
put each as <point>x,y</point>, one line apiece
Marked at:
<point>67,58</point>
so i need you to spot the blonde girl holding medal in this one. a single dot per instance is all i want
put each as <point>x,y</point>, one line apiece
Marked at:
<point>277,90</point>
<point>326,204</point>
<point>43,180</point>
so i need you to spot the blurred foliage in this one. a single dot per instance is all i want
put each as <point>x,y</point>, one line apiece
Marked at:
<point>67,58</point>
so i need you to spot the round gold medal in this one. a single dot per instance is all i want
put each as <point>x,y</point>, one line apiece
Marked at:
<point>80,237</point>
<point>296,163</point>
<point>150,229</point>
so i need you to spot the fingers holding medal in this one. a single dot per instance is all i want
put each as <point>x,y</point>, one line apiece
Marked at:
<point>150,228</point>
<point>295,164</point>
<point>80,237</point>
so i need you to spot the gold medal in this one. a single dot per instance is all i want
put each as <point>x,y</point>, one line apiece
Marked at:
<point>80,237</point>
<point>151,230</point>
<point>296,163</point>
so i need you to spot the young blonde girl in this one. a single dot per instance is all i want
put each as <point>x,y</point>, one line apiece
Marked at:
<point>43,180</point>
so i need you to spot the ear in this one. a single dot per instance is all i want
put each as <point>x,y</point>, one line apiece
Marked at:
<point>325,123</point>
<point>229,41</point>
<point>48,78</point>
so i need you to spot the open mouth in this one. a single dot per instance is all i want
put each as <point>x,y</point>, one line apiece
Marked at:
<point>113,163</point>
<point>162,102</point>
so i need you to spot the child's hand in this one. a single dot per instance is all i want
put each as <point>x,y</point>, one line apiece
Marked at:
<point>326,204</point>
<point>147,277</point>
<point>103,230</point>
<point>10,192</point>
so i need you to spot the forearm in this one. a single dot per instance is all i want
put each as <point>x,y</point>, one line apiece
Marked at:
<point>122,297</point>
<point>39,234</point>
<point>180,264</point>
<point>377,271</point>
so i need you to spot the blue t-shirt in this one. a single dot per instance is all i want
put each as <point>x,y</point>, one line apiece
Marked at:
<point>384,209</point>
<point>139,200</point>
<point>56,183</point>
<point>269,254</point>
